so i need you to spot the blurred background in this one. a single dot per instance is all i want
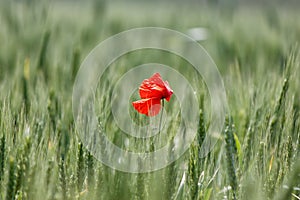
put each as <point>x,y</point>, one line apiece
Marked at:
<point>235,31</point>
<point>253,43</point>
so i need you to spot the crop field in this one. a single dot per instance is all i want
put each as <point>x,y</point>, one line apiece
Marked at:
<point>43,154</point>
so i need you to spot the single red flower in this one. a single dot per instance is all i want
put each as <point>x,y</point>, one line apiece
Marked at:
<point>152,91</point>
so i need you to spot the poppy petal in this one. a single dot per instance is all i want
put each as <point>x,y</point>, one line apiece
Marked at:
<point>151,91</point>
<point>168,98</point>
<point>168,92</point>
<point>149,107</point>
<point>156,78</point>
<point>152,87</point>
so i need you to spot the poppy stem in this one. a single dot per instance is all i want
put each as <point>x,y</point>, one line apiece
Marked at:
<point>161,115</point>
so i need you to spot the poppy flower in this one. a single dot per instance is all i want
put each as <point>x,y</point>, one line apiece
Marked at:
<point>152,91</point>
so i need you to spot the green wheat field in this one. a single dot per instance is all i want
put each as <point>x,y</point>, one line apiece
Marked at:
<point>43,43</point>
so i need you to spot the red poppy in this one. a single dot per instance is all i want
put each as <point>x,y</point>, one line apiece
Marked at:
<point>152,91</point>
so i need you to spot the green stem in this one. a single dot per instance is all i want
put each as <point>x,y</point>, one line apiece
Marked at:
<point>161,115</point>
